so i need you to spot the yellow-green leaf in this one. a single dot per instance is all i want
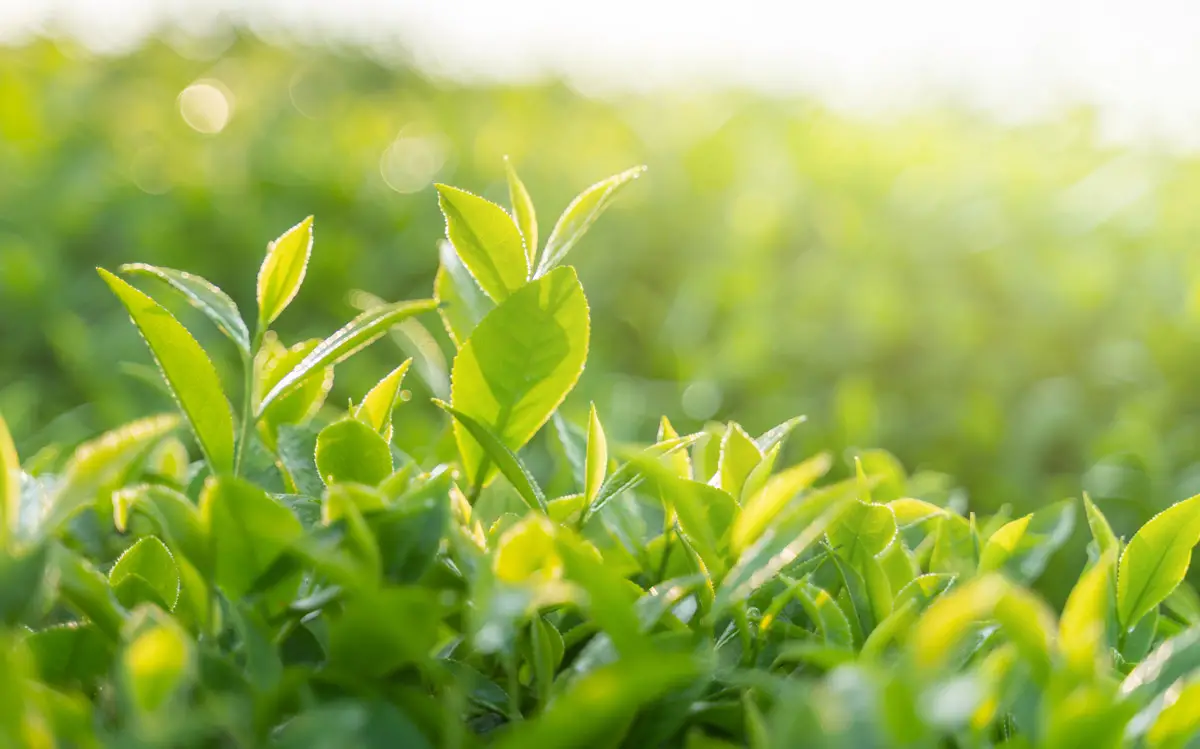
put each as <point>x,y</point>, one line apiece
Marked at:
<point>762,508</point>
<point>283,270</point>
<point>739,456</point>
<point>10,485</point>
<point>1081,629</point>
<point>1156,559</point>
<point>377,406</point>
<point>354,336</point>
<point>579,216</point>
<point>204,296</point>
<point>1102,532</point>
<point>146,571</point>
<point>247,529</point>
<point>863,529</point>
<point>351,451</point>
<point>188,371</point>
<point>519,364</point>
<point>487,241</point>
<point>597,457</point>
<point>522,206</point>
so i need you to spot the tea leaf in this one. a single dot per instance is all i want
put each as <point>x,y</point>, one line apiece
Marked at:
<point>579,216</point>
<point>247,531</point>
<point>204,296</point>
<point>863,530</point>
<point>356,335</point>
<point>500,456</point>
<point>148,566</point>
<point>10,485</point>
<point>596,464</point>
<point>283,270</point>
<point>377,406</point>
<point>461,303</point>
<point>487,241</point>
<point>1084,621</point>
<point>351,451</point>
<point>762,508</point>
<point>188,372</point>
<point>1156,559</point>
<point>523,212</point>
<point>1102,532</point>
<point>519,364</point>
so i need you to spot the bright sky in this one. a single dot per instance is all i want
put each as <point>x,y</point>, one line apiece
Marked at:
<point>1137,61</point>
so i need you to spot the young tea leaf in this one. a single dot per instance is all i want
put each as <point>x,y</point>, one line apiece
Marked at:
<point>188,372</point>
<point>487,241</point>
<point>499,455</point>
<point>283,270</point>
<point>356,335</point>
<point>146,572</point>
<point>350,451</point>
<point>522,206</point>
<point>1156,559</point>
<point>579,216</point>
<point>204,296</point>
<point>597,457</point>
<point>10,485</point>
<point>519,364</point>
<point>376,408</point>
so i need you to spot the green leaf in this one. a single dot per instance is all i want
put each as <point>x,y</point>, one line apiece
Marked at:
<point>797,527</point>
<point>283,270</point>
<point>10,485</point>
<point>379,631</point>
<point>953,546</point>
<point>502,457</point>
<point>147,566</point>
<point>1102,532</point>
<point>910,512</point>
<point>519,364</point>
<point>924,589</point>
<point>188,372</point>
<point>411,532</point>
<point>824,612</point>
<point>272,362</point>
<point>739,456</point>
<point>174,516</point>
<point>461,303</point>
<point>1082,627</point>
<point>1156,559</point>
<point>487,241</point>
<point>1023,547</point>
<point>21,582</point>
<point>631,474</point>
<point>350,451</point>
<point>762,508</point>
<point>946,622</point>
<point>377,405</point>
<point>777,434</point>
<point>87,591</point>
<point>1180,721</point>
<point>588,711</point>
<point>863,530</point>
<point>204,296</point>
<point>247,531</point>
<point>157,661</point>
<point>1172,660</point>
<point>356,335</point>
<point>71,655</point>
<point>97,465</point>
<point>522,206</point>
<point>608,594</point>
<point>705,515</point>
<point>597,457</point>
<point>579,216</point>
<point>1029,624</point>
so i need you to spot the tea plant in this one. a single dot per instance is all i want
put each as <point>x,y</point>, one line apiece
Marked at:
<point>305,583</point>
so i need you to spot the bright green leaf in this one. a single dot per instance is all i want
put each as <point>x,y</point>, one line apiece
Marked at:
<point>283,270</point>
<point>487,241</point>
<point>146,564</point>
<point>499,455</point>
<point>356,335</point>
<point>247,529</point>
<point>519,364</point>
<point>377,406</point>
<point>523,212</point>
<point>188,371</point>
<point>597,457</point>
<point>761,509</point>
<point>579,216</point>
<point>350,451</point>
<point>10,485</point>
<point>1156,559</point>
<point>204,296</point>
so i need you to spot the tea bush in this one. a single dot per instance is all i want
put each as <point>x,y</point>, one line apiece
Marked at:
<point>1014,305</point>
<point>306,583</point>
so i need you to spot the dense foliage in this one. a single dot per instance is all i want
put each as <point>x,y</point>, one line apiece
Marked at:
<point>307,583</point>
<point>1014,306</point>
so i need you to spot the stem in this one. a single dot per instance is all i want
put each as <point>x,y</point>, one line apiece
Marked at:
<point>247,402</point>
<point>514,685</point>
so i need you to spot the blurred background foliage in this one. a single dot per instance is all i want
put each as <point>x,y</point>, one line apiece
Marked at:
<point>1016,306</point>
